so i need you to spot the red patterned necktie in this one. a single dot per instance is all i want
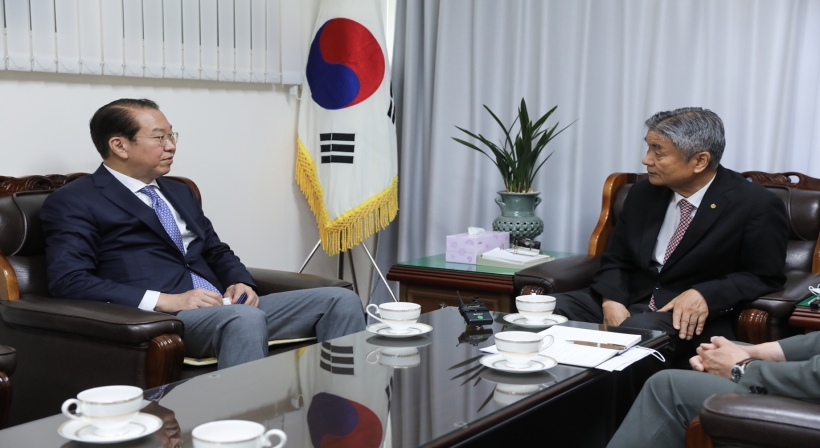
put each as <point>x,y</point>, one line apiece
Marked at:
<point>685,218</point>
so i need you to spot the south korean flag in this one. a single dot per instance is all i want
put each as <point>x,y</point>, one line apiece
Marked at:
<point>346,163</point>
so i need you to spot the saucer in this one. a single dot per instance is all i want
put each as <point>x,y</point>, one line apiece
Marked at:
<point>497,362</point>
<point>409,342</point>
<point>521,321</point>
<point>384,330</point>
<point>142,425</point>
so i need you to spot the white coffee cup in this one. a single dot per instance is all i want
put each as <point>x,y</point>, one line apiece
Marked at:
<point>535,307</point>
<point>235,434</point>
<point>521,347</point>
<point>396,357</point>
<point>108,409</point>
<point>399,316</point>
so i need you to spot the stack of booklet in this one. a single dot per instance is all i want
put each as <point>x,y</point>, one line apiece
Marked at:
<point>512,258</point>
<point>575,354</point>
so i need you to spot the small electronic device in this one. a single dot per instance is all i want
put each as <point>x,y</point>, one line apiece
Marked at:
<point>527,243</point>
<point>475,335</point>
<point>475,313</point>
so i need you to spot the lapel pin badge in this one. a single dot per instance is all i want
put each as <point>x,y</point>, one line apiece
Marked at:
<point>714,206</point>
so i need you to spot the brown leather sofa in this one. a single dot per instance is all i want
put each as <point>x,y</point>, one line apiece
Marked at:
<point>65,346</point>
<point>764,319</point>
<point>755,421</point>
<point>8,362</point>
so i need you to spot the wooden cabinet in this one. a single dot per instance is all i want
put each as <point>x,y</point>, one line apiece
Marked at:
<point>806,318</point>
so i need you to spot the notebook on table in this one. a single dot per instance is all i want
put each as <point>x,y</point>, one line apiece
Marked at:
<point>583,355</point>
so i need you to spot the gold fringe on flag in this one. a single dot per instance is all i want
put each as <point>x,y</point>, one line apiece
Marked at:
<point>353,226</point>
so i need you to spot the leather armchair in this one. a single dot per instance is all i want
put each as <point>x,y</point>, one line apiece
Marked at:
<point>764,319</point>
<point>8,362</point>
<point>65,346</point>
<point>755,421</point>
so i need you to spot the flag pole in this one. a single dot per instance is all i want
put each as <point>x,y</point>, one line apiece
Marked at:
<point>313,252</point>
<point>381,276</point>
<point>341,266</point>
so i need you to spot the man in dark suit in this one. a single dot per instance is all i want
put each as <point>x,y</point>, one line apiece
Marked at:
<point>672,398</point>
<point>126,235</point>
<point>692,241</point>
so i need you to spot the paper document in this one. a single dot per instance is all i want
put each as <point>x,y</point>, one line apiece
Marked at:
<point>582,355</point>
<point>625,359</point>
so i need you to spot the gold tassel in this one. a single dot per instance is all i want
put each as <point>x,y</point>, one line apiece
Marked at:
<point>352,227</point>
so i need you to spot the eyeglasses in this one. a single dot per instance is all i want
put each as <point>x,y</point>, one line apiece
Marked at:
<point>163,139</point>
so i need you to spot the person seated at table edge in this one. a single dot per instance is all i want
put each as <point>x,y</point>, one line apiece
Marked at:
<point>126,235</point>
<point>672,398</point>
<point>692,242</point>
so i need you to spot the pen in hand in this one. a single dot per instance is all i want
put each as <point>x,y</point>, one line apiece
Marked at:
<point>242,298</point>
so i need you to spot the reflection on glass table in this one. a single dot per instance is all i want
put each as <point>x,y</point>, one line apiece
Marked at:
<point>360,390</point>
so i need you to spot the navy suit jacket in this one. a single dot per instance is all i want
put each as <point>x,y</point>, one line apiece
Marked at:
<point>103,243</point>
<point>733,251</point>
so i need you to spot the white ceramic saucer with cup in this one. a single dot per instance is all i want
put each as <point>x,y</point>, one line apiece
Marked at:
<point>399,316</point>
<point>142,425</point>
<point>235,434</point>
<point>521,321</point>
<point>108,409</point>
<point>535,307</point>
<point>520,348</point>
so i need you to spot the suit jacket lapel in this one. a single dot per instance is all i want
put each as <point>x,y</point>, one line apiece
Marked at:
<point>711,207</point>
<point>122,197</point>
<point>654,220</point>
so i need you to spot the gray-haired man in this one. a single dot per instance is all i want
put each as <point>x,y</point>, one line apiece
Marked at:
<point>691,242</point>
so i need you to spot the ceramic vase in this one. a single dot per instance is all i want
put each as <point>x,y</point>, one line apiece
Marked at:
<point>518,215</point>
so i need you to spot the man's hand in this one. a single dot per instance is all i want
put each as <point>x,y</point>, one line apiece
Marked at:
<point>689,313</point>
<point>719,357</point>
<point>614,312</point>
<point>235,291</point>
<point>195,298</point>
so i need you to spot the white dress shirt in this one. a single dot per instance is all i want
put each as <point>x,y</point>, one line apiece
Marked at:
<point>150,298</point>
<point>672,219</point>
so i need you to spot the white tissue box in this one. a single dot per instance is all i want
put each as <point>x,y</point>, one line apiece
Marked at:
<point>465,248</point>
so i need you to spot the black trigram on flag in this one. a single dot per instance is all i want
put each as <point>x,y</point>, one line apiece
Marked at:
<point>337,143</point>
<point>337,359</point>
<point>391,111</point>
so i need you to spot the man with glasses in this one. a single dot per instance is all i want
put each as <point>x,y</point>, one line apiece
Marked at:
<point>126,235</point>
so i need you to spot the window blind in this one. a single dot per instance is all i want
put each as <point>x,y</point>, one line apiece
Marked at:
<point>217,40</point>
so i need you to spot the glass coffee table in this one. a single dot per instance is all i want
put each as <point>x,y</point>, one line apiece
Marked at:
<point>365,390</point>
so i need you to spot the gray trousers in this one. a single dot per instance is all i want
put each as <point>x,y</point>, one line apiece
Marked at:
<point>667,403</point>
<point>237,334</point>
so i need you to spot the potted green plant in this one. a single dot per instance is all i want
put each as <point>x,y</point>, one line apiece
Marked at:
<point>518,159</point>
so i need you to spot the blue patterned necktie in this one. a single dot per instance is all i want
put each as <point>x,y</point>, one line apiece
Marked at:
<point>166,218</point>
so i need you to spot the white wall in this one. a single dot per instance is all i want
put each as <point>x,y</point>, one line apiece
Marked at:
<point>237,142</point>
